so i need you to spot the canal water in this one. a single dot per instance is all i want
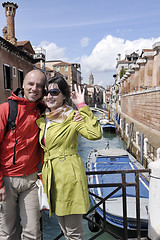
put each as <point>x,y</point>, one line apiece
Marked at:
<point>50,226</point>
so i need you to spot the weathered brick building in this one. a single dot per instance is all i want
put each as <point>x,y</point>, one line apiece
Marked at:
<point>71,71</point>
<point>14,64</point>
<point>138,99</point>
<point>16,58</point>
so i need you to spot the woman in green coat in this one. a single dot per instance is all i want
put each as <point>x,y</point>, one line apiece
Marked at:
<point>63,173</point>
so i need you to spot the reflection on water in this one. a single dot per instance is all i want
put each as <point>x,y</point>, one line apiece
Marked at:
<point>49,225</point>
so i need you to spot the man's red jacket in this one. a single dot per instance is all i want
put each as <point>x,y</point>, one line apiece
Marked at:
<point>28,152</point>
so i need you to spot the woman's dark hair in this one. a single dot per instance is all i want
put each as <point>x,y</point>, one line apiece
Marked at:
<point>62,84</point>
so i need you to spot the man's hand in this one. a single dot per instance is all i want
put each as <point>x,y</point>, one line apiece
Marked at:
<point>3,194</point>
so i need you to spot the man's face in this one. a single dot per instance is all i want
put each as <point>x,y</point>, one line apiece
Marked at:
<point>33,85</point>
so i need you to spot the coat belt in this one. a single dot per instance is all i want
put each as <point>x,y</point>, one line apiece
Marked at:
<point>61,154</point>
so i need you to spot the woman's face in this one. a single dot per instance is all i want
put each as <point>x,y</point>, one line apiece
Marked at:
<point>55,98</point>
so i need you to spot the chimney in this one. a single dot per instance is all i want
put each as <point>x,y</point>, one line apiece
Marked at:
<point>10,11</point>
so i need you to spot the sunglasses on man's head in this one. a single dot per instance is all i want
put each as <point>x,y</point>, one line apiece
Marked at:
<point>53,92</point>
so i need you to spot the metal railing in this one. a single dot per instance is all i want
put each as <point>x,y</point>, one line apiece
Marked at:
<point>103,227</point>
<point>122,185</point>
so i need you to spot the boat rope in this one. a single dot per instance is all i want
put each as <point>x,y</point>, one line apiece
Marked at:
<point>154,177</point>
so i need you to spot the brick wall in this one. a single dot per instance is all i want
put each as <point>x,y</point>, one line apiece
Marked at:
<point>143,107</point>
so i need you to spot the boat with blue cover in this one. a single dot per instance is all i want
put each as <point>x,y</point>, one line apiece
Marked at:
<point>109,127</point>
<point>113,160</point>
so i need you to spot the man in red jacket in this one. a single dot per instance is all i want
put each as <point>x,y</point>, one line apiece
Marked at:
<point>18,177</point>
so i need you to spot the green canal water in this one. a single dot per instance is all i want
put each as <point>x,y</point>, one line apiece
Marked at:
<point>50,226</point>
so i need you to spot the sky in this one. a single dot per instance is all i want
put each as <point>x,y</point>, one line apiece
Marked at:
<point>89,32</point>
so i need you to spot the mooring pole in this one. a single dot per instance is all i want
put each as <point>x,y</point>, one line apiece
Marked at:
<point>142,148</point>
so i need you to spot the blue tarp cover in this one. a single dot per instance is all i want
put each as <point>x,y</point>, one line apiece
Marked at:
<point>113,164</point>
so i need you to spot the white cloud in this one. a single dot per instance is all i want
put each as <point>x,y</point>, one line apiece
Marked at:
<point>103,57</point>
<point>53,52</point>
<point>102,61</point>
<point>84,42</point>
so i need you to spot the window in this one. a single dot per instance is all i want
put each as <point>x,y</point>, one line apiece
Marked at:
<point>20,78</point>
<point>14,71</point>
<point>7,76</point>
<point>57,69</point>
<point>66,68</point>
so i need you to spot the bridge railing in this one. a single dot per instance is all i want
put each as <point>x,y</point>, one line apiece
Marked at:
<point>123,185</point>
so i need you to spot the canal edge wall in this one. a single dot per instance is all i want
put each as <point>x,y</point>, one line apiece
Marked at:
<point>128,128</point>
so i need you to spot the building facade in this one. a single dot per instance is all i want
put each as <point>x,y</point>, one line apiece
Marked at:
<point>16,57</point>
<point>71,71</point>
<point>14,64</point>
<point>139,92</point>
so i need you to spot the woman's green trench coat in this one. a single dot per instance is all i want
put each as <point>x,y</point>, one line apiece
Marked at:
<point>63,173</point>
